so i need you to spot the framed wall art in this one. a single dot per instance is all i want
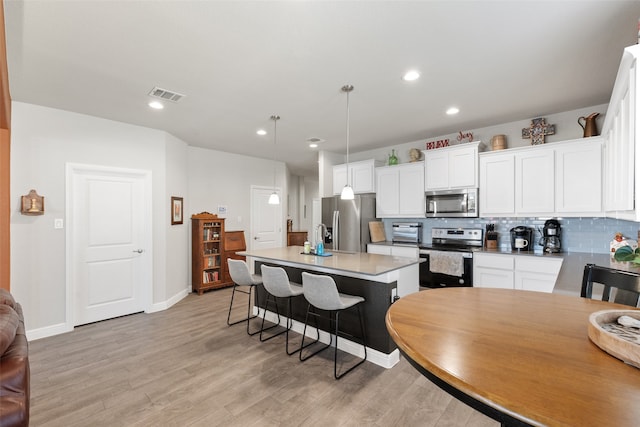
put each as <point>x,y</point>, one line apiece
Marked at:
<point>176,210</point>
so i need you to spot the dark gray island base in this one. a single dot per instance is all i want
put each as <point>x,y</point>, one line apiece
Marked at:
<point>379,279</point>
<point>378,297</point>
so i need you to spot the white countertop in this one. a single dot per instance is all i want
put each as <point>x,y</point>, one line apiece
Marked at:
<point>361,263</point>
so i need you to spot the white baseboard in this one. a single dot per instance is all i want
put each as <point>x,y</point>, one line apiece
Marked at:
<point>61,328</point>
<point>48,331</point>
<point>377,357</point>
<point>160,306</point>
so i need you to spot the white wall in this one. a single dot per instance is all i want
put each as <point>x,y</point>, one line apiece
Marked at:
<point>177,251</point>
<point>43,140</point>
<point>224,179</point>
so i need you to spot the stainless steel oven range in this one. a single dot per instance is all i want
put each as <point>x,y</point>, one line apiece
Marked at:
<point>449,257</point>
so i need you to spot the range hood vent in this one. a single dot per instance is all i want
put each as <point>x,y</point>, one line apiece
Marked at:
<point>157,92</point>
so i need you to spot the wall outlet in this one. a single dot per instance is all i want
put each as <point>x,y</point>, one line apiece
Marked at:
<point>58,223</point>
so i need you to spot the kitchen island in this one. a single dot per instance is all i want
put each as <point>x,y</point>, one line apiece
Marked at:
<point>379,279</point>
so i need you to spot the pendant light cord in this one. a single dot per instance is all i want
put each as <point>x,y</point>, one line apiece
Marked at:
<point>348,128</point>
<point>275,119</point>
<point>347,89</point>
<point>275,138</point>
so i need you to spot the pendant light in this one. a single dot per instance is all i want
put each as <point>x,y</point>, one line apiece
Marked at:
<point>273,198</point>
<point>347,191</point>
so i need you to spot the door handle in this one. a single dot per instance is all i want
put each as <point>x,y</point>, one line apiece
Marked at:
<point>138,250</point>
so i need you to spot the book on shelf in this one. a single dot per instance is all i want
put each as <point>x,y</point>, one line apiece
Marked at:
<point>210,276</point>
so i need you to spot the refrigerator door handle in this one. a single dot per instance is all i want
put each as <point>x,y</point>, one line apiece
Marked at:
<point>336,231</point>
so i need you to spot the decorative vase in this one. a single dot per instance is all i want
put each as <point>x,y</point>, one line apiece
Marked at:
<point>393,159</point>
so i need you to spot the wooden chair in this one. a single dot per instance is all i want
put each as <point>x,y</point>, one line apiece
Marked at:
<point>627,284</point>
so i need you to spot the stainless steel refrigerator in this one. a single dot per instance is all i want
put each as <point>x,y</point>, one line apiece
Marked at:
<point>347,222</point>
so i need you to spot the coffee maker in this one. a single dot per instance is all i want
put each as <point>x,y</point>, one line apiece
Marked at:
<point>551,236</point>
<point>521,238</point>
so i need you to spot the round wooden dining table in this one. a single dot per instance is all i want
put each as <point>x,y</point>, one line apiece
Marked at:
<point>520,357</point>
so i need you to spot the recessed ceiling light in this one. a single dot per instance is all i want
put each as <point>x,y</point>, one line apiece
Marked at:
<point>453,110</point>
<point>156,105</point>
<point>261,132</point>
<point>411,76</point>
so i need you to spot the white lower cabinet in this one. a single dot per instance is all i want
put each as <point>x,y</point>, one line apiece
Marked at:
<point>527,272</point>
<point>492,271</point>
<point>378,249</point>
<point>403,251</point>
<point>536,274</point>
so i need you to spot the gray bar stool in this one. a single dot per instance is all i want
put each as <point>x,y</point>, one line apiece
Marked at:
<point>276,282</point>
<point>241,276</point>
<point>321,292</point>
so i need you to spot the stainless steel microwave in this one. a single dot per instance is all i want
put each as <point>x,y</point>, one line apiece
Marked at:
<point>452,203</point>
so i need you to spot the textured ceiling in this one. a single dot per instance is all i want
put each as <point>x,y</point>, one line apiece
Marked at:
<point>239,62</point>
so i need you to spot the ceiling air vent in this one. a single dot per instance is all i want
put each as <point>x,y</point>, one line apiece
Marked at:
<point>157,92</point>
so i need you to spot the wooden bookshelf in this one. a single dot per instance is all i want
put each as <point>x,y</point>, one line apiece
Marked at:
<point>207,248</point>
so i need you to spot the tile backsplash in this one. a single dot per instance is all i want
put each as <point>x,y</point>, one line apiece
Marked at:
<point>590,235</point>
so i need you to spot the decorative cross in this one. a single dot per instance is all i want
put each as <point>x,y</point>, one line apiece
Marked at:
<point>538,130</point>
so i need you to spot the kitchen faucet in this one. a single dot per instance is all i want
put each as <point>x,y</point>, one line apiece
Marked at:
<point>319,229</point>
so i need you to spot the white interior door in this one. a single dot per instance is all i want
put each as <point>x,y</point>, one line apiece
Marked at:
<point>109,229</point>
<point>266,219</point>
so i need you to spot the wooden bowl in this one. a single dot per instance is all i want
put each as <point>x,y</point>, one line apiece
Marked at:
<point>620,342</point>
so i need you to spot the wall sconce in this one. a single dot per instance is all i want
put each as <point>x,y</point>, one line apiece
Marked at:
<point>32,204</point>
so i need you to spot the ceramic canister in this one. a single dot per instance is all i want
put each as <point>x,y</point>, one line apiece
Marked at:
<point>498,142</point>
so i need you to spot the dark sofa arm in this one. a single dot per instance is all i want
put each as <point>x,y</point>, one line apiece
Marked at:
<point>15,379</point>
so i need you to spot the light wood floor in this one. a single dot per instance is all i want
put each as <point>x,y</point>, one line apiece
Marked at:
<point>185,367</point>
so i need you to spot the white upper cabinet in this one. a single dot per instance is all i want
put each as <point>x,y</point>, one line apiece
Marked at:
<point>411,203</point>
<point>387,191</point>
<point>621,133</point>
<point>535,177</point>
<point>451,167</point>
<point>400,191</point>
<point>579,177</point>
<point>339,178</point>
<point>557,179</point>
<point>362,176</point>
<point>497,184</point>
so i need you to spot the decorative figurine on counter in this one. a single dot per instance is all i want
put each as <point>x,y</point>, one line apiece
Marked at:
<point>538,130</point>
<point>619,241</point>
<point>393,159</point>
